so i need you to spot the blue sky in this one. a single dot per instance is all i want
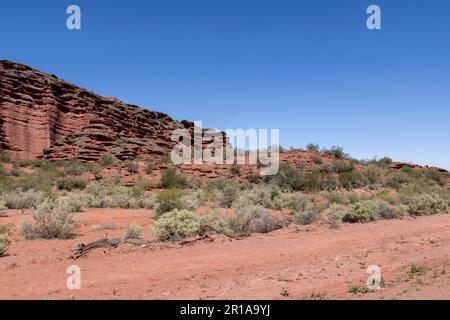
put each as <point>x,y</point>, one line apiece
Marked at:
<point>310,68</point>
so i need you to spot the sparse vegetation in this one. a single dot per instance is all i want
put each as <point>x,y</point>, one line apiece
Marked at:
<point>176,225</point>
<point>133,231</point>
<point>171,179</point>
<point>252,220</point>
<point>70,184</point>
<point>51,220</point>
<point>168,201</point>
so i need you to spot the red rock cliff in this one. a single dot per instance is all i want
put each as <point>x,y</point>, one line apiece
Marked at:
<point>42,116</point>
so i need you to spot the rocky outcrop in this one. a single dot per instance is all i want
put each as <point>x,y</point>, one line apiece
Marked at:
<point>42,116</point>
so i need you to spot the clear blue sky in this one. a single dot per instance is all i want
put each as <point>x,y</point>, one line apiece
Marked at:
<point>310,68</point>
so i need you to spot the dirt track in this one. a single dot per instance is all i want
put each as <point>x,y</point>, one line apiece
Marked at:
<point>301,263</point>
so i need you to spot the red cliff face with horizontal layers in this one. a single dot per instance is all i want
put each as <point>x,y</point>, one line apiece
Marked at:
<point>42,116</point>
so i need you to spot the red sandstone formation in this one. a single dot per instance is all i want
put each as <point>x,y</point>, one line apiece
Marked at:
<point>42,116</point>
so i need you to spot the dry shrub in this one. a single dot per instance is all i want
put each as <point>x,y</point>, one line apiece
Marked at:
<point>253,220</point>
<point>51,220</point>
<point>176,225</point>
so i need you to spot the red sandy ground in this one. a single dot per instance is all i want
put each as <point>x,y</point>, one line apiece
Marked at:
<point>304,262</point>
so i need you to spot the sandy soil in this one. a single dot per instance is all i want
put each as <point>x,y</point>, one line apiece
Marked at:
<point>313,262</point>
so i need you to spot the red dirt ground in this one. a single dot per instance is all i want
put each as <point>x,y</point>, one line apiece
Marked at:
<point>303,262</point>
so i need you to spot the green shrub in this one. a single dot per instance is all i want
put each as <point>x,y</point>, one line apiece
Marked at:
<point>293,201</point>
<point>191,200</point>
<point>363,211</point>
<point>76,203</point>
<point>214,223</point>
<point>133,231</point>
<point>70,184</point>
<point>132,167</point>
<point>341,166</point>
<point>41,180</point>
<point>373,173</point>
<point>335,197</point>
<point>319,179</point>
<point>50,221</point>
<point>252,220</point>
<point>116,196</point>
<point>225,192</point>
<point>253,178</point>
<point>258,195</point>
<point>337,152</point>
<point>437,176</point>
<point>352,179</point>
<point>21,200</point>
<point>5,157</point>
<point>312,147</point>
<point>75,168</point>
<point>307,218</point>
<point>5,242</point>
<point>170,179</point>
<point>107,161</point>
<point>176,225</point>
<point>426,204</point>
<point>288,178</point>
<point>168,201</point>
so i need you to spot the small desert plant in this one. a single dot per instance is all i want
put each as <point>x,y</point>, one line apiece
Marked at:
<point>75,168</point>
<point>337,152</point>
<point>4,238</point>
<point>352,179</point>
<point>252,220</point>
<point>171,179</point>
<point>132,167</point>
<point>342,166</point>
<point>308,217</point>
<point>363,211</point>
<point>4,243</point>
<point>335,197</point>
<point>133,231</point>
<point>21,200</point>
<point>50,221</point>
<point>70,184</point>
<point>176,225</point>
<point>288,178</point>
<point>192,200</point>
<point>214,223</point>
<point>294,201</point>
<point>312,147</point>
<point>426,204</point>
<point>168,201</point>
<point>107,161</point>
<point>225,192</point>
<point>258,195</point>
<point>373,173</point>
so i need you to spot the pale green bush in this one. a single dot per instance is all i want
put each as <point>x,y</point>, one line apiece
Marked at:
<point>258,195</point>
<point>308,217</point>
<point>192,200</point>
<point>51,220</point>
<point>426,204</point>
<point>294,201</point>
<point>214,223</point>
<point>176,225</point>
<point>133,231</point>
<point>5,242</point>
<point>20,200</point>
<point>253,220</point>
<point>168,201</point>
<point>363,211</point>
<point>116,196</point>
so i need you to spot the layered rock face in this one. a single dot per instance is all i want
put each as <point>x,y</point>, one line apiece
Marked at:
<point>42,116</point>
